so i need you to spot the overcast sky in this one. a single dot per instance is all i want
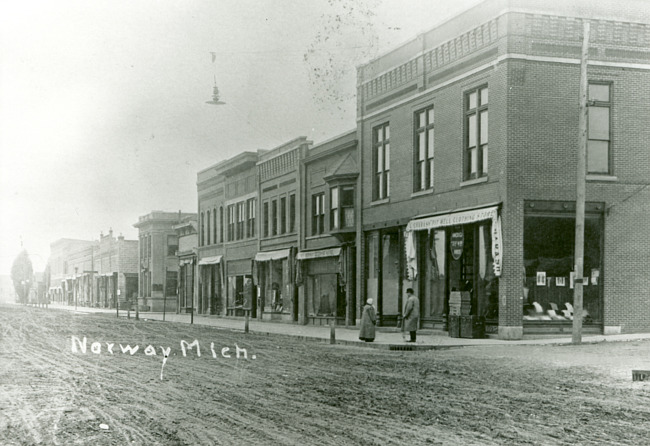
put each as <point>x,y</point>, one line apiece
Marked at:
<point>102,103</point>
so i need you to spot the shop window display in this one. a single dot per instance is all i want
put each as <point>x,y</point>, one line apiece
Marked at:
<point>325,297</point>
<point>548,264</point>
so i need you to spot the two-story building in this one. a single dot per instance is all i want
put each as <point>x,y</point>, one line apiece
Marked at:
<point>325,273</point>
<point>228,230</point>
<point>280,221</point>
<point>187,232</point>
<point>158,261</point>
<point>468,140</point>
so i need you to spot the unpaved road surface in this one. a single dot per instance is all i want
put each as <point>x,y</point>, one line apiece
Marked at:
<point>295,392</point>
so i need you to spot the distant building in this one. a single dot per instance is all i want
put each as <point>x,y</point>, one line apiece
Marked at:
<point>71,261</point>
<point>96,273</point>
<point>187,263</point>
<point>158,263</point>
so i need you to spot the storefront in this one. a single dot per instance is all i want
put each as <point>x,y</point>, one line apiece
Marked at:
<point>457,252</point>
<point>320,277</point>
<point>107,289</point>
<point>276,293</point>
<point>241,293</point>
<point>384,266</point>
<point>210,286</point>
<point>186,285</point>
<point>549,244</point>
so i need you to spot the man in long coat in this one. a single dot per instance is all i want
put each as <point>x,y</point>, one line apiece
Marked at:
<point>411,313</point>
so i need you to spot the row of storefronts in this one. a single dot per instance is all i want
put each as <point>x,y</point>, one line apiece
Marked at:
<point>459,181</point>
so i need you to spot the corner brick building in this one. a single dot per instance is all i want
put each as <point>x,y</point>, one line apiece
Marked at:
<point>468,139</point>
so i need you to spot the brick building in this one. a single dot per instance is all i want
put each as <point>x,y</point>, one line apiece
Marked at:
<point>281,220</point>
<point>158,263</point>
<point>68,260</point>
<point>228,207</point>
<point>453,206</point>
<point>94,273</point>
<point>325,261</point>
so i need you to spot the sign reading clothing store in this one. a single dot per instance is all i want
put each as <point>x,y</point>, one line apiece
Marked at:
<point>455,219</point>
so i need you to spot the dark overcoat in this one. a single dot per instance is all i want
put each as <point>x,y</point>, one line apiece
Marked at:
<point>411,313</point>
<point>368,321</point>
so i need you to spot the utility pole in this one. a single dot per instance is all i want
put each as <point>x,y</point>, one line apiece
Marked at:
<point>580,192</point>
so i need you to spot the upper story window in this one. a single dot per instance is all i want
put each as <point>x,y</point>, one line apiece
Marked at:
<point>274,217</point>
<point>347,206</point>
<point>283,215</point>
<point>476,133</point>
<point>221,224</point>
<point>172,245</point>
<point>335,211</point>
<point>250,223</point>
<point>231,223</point>
<point>342,207</point>
<point>424,138</point>
<point>214,226</point>
<point>599,112</point>
<point>381,161</point>
<point>207,231</point>
<point>265,223</point>
<point>241,217</point>
<point>318,214</point>
<point>201,229</point>
<point>292,212</point>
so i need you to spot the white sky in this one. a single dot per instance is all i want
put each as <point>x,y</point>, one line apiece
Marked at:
<point>102,103</point>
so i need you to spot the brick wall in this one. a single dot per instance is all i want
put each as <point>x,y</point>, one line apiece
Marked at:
<point>533,136</point>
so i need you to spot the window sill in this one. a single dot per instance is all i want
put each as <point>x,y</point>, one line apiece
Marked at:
<point>378,202</point>
<point>317,236</point>
<point>607,178</point>
<point>422,192</point>
<point>473,182</point>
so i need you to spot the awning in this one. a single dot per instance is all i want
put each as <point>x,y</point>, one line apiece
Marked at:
<point>453,219</point>
<point>185,262</point>
<point>307,255</point>
<point>272,255</point>
<point>210,260</point>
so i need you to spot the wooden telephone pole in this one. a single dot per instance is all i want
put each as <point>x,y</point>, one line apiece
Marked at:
<point>580,193</point>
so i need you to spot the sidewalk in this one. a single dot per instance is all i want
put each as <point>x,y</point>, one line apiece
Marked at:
<point>385,338</point>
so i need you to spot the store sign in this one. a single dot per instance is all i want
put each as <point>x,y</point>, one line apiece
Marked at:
<point>456,243</point>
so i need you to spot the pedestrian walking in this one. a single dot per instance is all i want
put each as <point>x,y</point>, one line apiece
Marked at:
<point>368,322</point>
<point>411,314</point>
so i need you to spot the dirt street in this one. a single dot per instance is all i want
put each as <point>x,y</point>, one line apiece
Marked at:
<point>284,391</point>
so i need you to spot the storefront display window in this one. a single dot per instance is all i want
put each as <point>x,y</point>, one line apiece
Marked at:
<point>323,296</point>
<point>390,274</point>
<point>240,290</point>
<point>433,246</point>
<point>372,266</point>
<point>277,297</point>
<point>548,263</point>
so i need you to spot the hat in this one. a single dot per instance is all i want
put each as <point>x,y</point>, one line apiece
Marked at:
<point>369,301</point>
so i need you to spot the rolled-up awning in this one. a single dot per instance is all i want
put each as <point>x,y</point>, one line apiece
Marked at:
<point>210,260</point>
<point>307,255</point>
<point>185,261</point>
<point>453,219</point>
<point>272,255</point>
